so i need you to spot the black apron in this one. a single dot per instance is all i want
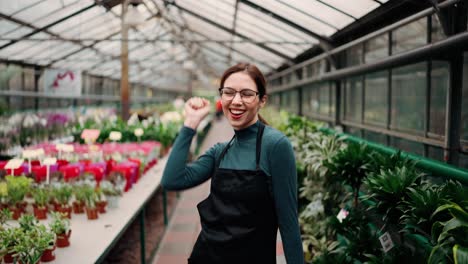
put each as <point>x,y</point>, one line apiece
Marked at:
<point>238,218</point>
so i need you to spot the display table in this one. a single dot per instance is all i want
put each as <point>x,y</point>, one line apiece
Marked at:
<point>91,240</point>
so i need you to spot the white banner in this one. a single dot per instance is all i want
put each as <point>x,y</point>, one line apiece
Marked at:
<point>60,81</point>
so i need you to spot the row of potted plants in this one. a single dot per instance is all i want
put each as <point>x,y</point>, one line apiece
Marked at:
<point>31,242</point>
<point>352,199</point>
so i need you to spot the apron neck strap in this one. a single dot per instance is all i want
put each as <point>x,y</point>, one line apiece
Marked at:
<point>258,149</point>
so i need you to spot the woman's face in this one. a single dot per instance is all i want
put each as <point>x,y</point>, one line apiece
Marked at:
<point>239,113</point>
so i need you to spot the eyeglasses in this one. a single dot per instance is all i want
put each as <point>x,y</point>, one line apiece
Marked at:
<point>228,94</point>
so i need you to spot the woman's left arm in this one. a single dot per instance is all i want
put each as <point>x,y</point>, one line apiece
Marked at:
<point>284,180</point>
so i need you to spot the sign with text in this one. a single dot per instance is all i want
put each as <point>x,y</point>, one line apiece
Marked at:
<point>62,81</point>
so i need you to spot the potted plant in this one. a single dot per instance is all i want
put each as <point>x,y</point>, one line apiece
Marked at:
<point>8,239</point>
<point>79,202</point>
<point>17,189</point>
<point>112,193</point>
<point>60,225</point>
<point>100,202</point>
<point>63,194</point>
<point>90,202</point>
<point>33,243</point>
<point>41,197</point>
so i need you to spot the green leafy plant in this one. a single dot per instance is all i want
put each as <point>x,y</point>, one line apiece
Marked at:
<point>5,215</point>
<point>17,187</point>
<point>63,194</point>
<point>387,189</point>
<point>28,222</point>
<point>351,165</point>
<point>41,196</point>
<point>31,244</point>
<point>451,236</point>
<point>60,224</point>
<point>89,196</point>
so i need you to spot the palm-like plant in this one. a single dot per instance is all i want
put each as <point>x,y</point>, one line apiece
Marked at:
<point>389,188</point>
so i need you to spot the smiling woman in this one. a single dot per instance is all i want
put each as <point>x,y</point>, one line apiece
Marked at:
<point>253,185</point>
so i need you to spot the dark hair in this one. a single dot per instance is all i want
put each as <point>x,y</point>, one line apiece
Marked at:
<point>254,73</point>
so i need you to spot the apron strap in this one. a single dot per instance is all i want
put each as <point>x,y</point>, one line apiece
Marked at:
<point>258,149</point>
<point>224,152</point>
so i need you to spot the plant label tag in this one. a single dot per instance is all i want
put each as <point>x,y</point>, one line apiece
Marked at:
<point>13,164</point>
<point>386,242</point>
<point>49,161</point>
<point>90,135</point>
<point>29,153</point>
<point>342,215</point>
<point>115,135</point>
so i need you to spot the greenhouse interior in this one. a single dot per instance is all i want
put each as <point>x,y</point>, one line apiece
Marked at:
<point>110,110</point>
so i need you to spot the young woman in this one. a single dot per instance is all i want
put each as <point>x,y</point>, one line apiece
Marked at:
<point>253,178</point>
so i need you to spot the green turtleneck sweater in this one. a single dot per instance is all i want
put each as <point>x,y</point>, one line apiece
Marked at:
<point>277,161</point>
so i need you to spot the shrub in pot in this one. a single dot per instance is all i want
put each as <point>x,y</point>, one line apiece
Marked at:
<point>63,194</point>
<point>90,202</point>
<point>8,239</point>
<point>79,202</point>
<point>17,189</point>
<point>41,197</point>
<point>33,243</point>
<point>60,225</point>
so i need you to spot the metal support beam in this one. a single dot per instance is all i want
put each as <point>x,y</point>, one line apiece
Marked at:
<point>211,22</point>
<point>234,23</point>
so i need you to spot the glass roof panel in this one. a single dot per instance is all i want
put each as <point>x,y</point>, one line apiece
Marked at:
<point>7,26</point>
<point>300,18</point>
<point>356,8</point>
<point>39,10</point>
<point>215,13</point>
<point>322,12</point>
<point>63,12</point>
<point>17,33</point>
<point>10,7</point>
<point>206,29</point>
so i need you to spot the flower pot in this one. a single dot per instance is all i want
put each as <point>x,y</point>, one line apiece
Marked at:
<point>101,206</point>
<point>17,212</point>
<point>113,201</point>
<point>63,240</point>
<point>8,258</point>
<point>48,255</point>
<point>78,207</point>
<point>92,213</point>
<point>40,212</point>
<point>65,209</point>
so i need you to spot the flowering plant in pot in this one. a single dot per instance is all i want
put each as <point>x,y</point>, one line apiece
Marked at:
<point>17,189</point>
<point>41,197</point>
<point>60,225</point>
<point>90,202</point>
<point>63,194</point>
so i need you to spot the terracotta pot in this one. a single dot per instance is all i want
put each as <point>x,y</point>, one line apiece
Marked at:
<point>65,210</point>
<point>8,258</point>
<point>55,205</point>
<point>92,213</point>
<point>78,207</point>
<point>63,240</point>
<point>40,212</point>
<point>101,206</point>
<point>48,255</point>
<point>22,205</point>
<point>17,212</point>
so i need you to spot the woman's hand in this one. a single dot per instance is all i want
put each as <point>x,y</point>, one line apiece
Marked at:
<point>196,109</point>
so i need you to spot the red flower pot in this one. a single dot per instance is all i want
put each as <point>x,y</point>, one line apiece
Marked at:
<point>92,213</point>
<point>40,212</point>
<point>78,207</point>
<point>63,240</point>
<point>48,255</point>
<point>17,212</point>
<point>65,209</point>
<point>101,206</point>
<point>8,258</point>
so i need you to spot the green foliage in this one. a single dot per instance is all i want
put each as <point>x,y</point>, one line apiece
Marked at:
<point>60,224</point>
<point>17,187</point>
<point>89,196</point>
<point>63,193</point>
<point>31,244</point>
<point>388,189</point>
<point>5,215</point>
<point>28,222</point>
<point>350,166</point>
<point>41,196</point>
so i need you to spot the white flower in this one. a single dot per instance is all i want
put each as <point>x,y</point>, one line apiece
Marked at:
<point>133,120</point>
<point>139,132</point>
<point>170,117</point>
